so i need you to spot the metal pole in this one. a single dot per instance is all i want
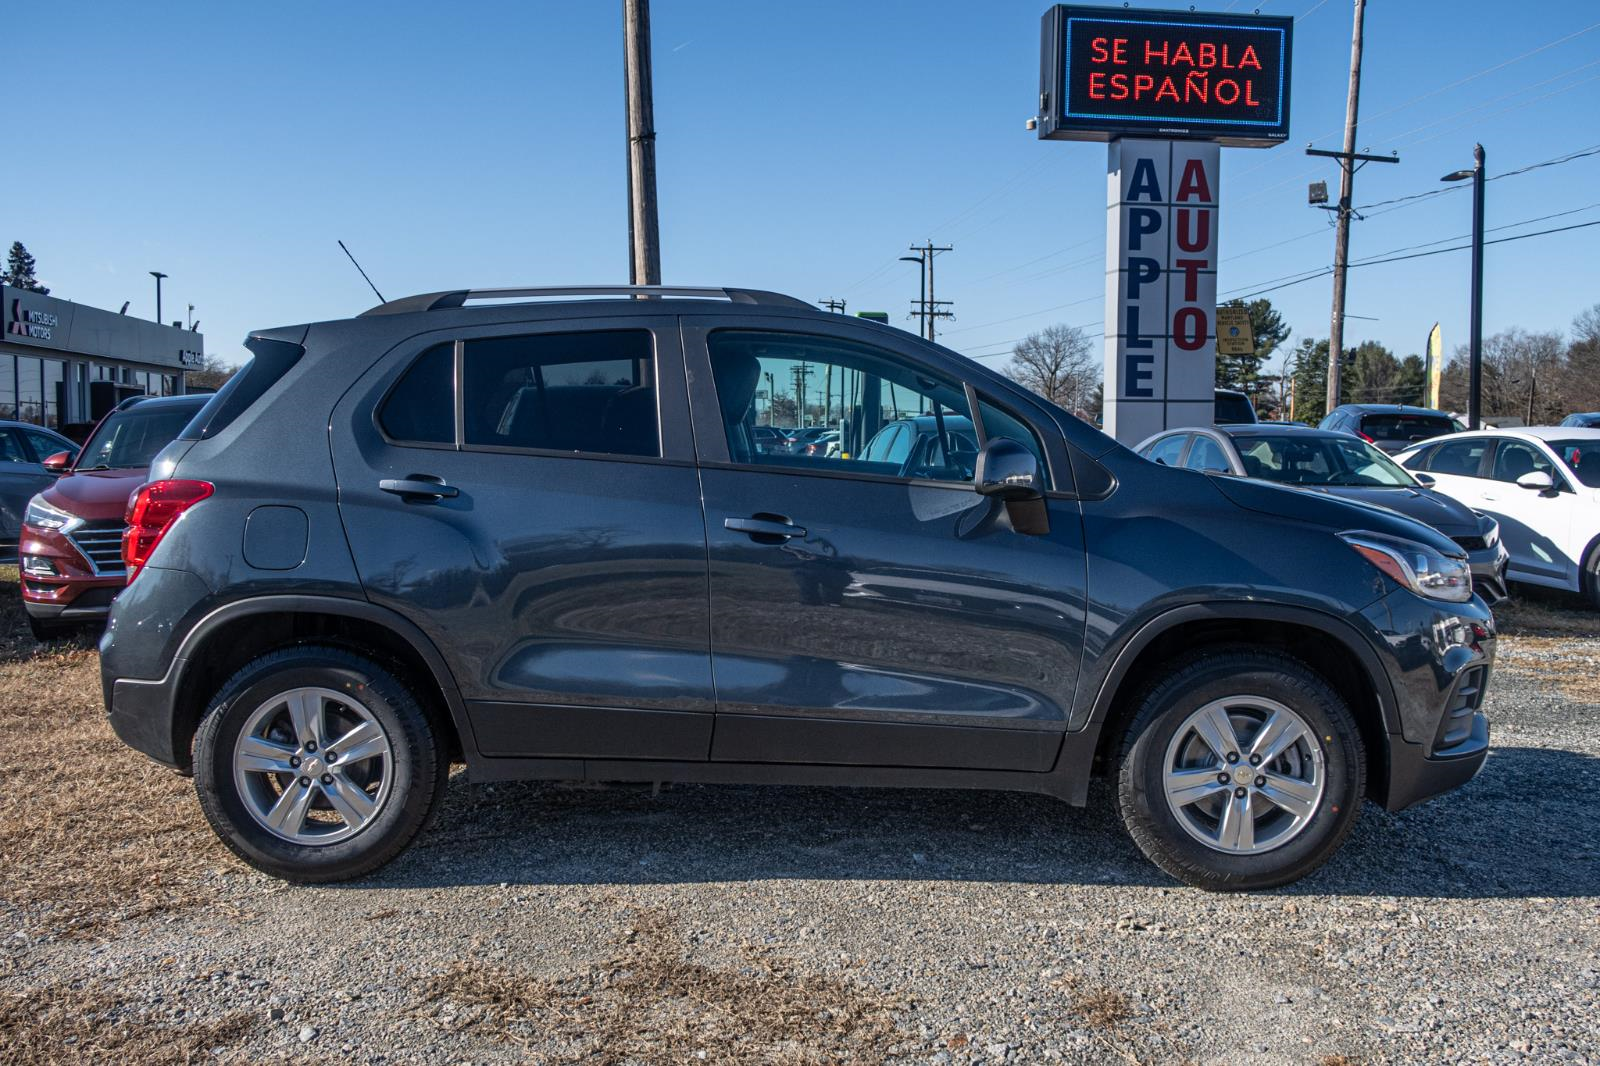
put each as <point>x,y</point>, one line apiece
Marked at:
<point>1475,374</point>
<point>1347,176</point>
<point>641,143</point>
<point>158,276</point>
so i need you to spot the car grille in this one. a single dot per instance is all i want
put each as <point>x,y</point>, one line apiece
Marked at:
<point>101,543</point>
<point>1471,544</point>
<point>1455,727</point>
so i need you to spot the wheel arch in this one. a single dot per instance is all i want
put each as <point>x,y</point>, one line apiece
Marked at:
<point>237,632</point>
<point>1328,645</point>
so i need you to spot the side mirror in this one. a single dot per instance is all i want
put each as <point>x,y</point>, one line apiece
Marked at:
<point>1536,481</point>
<point>1427,481</point>
<point>1008,472</point>
<point>58,463</point>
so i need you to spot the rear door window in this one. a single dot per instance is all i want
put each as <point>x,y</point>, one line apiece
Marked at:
<point>1168,450</point>
<point>564,392</point>
<point>1462,458</point>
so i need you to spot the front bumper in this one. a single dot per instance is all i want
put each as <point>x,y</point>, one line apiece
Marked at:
<point>1439,657</point>
<point>1489,573</point>
<point>59,583</point>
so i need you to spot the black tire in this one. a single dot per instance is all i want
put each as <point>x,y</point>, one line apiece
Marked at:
<point>45,632</point>
<point>1215,674</point>
<point>1591,578</point>
<point>419,764</point>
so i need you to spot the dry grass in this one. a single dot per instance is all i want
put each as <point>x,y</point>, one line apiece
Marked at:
<point>1544,616</point>
<point>93,833</point>
<point>651,996</point>
<point>58,1023</point>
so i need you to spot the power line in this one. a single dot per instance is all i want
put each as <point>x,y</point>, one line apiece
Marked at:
<point>1419,255</point>
<point>1581,153</point>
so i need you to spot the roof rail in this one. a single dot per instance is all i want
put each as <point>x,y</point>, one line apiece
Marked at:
<point>437,301</point>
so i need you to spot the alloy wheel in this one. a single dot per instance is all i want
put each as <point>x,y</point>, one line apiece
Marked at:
<point>1244,774</point>
<point>313,766</point>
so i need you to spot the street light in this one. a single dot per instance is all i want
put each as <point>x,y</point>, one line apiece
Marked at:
<point>1475,365</point>
<point>158,276</point>
<point>922,301</point>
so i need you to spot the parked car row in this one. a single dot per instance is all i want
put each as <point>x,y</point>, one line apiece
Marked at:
<point>547,538</point>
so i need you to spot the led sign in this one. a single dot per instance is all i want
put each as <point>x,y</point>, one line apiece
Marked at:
<point>1112,72</point>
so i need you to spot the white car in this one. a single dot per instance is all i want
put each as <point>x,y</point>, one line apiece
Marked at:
<point>1542,483</point>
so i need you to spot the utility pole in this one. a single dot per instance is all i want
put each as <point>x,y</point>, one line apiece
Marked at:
<point>836,306</point>
<point>643,219</point>
<point>1348,160</point>
<point>927,307</point>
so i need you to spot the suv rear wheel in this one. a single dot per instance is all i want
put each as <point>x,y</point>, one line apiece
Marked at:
<point>314,764</point>
<point>1241,769</point>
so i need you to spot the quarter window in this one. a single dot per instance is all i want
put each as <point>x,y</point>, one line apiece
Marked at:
<point>421,408</point>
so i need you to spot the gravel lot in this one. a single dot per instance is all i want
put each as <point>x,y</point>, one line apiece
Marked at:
<point>728,924</point>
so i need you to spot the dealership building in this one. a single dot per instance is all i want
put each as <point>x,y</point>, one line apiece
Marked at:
<point>64,364</point>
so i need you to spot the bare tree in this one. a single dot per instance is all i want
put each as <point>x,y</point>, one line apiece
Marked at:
<point>1060,364</point>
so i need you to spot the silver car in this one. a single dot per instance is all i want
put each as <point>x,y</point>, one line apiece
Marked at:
<point>1340,465</point>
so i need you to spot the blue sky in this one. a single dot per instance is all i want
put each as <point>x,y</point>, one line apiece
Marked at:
<point>802,147</point>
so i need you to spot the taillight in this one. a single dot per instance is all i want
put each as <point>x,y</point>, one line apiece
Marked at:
<point>151,512</point>
<point>1364,437</point>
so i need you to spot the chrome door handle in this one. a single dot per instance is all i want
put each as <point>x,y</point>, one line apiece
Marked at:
<point>758,526</point>
<point>419,488</point>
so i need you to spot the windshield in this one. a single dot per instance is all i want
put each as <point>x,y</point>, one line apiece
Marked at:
<point>1582,458</point>
<point>131,438</point>
<point>1405,427</point>
<point>1294,459</point>
<point>1233,409</point>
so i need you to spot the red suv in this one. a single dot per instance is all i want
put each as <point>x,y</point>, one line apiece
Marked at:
<point>70,551</point>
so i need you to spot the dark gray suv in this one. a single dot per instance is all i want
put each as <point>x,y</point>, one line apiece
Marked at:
<point>537,536</point>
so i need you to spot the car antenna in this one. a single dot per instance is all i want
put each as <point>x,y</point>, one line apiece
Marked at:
<point>364,277</point>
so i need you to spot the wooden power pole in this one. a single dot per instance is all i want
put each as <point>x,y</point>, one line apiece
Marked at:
<point>1347,180</point>
<point>643,219</point>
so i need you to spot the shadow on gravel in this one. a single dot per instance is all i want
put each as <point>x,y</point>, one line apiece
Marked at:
<point>1524,827</point>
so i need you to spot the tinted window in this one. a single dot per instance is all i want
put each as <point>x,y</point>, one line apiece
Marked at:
<point>422,405</point>
<point>568,392</point>
<point>1405,428</point>
<point>131,438</point>
<point>1514,458</point>
<point>1206,455</point>
<point>1582,458</point>
<point>270,361</point>
<point>11,448</point>
<point>1462,458</point>
<point>1232,409</point>
<point>44,445</point>
<point>1168,450</point>
<point>783,378</point>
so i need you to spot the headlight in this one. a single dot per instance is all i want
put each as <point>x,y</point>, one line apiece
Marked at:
<point>44,516</point>
<point>1416,566</point>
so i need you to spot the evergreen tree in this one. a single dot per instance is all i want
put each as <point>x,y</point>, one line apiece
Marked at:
<point>19,272</point>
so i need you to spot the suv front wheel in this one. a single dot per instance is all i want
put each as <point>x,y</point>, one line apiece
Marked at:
<point>1241,769</point>
<point>314,764</point>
